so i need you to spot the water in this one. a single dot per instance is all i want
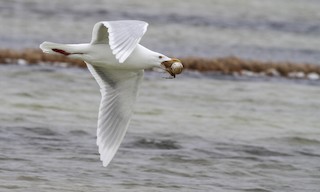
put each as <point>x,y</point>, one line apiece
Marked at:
<point>277,30</point>
<point>193,133</point>
<point>198,132</point>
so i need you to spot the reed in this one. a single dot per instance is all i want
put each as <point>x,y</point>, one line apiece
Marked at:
<point>227,65</point>
<point>232,65</point>
<point>35,56</point>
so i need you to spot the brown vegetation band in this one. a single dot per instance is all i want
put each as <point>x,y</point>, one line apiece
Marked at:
<point>227,65</point>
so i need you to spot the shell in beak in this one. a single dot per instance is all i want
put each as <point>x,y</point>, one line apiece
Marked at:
<point>173,66</point>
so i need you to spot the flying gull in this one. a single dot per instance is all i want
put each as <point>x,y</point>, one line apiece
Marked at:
<point>117,62</point>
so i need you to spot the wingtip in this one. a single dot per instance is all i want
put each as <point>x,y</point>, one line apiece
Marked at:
<point>121,60</point>
<point>106,162</point>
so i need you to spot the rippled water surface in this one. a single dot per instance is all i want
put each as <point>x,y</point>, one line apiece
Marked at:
<point>193,133</point>
<point>198,132</point>
<point>258,29</point>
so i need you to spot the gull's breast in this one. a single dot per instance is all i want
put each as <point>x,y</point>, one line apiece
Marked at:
<point>101,55</point>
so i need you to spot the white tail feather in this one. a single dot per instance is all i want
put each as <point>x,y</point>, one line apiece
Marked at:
<point>47,47</point>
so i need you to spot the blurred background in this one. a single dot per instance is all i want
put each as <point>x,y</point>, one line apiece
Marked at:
<point>198,132</point>
<point>266,30</point>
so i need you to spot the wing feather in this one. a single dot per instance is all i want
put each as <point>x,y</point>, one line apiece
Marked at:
<point>120,36</point>
<point>128,50</point>
<point>119,89</point>
<point>119,49</point>
<point>125,50</point>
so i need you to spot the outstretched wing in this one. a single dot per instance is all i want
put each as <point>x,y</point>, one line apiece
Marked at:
<point>119,89</point>
<point>122,36</point>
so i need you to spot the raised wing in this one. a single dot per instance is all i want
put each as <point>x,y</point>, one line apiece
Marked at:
<point>119,89</point>
<point>122,36</point>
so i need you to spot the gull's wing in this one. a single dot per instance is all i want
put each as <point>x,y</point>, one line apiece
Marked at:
<point>122,36</point>
<point>119,89</point>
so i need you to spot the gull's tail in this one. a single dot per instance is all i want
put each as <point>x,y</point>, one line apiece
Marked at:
<point>49,47</point>
<point>64,49</point>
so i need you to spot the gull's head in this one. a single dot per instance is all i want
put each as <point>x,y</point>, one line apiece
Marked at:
<point>172,65</point>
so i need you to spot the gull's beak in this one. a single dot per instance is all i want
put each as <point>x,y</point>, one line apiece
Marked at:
<point>172,66</point>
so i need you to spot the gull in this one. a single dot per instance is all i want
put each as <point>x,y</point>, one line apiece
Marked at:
<point>117,62</point>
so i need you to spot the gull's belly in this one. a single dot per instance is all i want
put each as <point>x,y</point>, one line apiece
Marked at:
<point>101,55</point>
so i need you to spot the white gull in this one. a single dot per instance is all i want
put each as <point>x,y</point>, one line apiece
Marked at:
<point>117,61</point>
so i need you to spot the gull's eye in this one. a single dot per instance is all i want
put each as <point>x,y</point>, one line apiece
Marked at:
<point>160,57</point>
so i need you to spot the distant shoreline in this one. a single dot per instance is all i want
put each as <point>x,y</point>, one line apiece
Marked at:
<point>226,65</point>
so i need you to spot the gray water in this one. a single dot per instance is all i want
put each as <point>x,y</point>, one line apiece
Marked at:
<point>193,133</point>
<point>277,30</point>
<point>198,132</point>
